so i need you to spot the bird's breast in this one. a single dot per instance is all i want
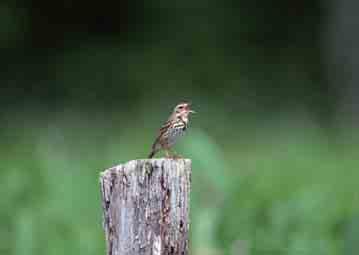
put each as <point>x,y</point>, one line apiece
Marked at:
<point>175,132</point>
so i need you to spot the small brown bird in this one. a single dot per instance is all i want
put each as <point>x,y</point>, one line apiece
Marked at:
<point>175,127</point>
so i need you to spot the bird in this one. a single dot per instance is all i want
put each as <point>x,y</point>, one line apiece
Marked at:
<point>172,129</point>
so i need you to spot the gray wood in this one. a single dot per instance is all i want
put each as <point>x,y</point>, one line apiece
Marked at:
<point>146,207</point>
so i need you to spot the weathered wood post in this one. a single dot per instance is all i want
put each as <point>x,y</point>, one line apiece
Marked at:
<point>146,207</point>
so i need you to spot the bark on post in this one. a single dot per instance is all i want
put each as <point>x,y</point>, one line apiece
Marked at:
<point>146,207</point>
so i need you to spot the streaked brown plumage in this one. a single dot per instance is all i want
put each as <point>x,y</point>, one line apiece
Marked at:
<point>175,126</point>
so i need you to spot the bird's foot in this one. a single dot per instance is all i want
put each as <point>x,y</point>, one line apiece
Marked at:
<point>176,156</point>
<point>173,156</point>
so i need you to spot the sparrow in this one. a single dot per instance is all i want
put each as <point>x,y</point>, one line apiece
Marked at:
<point>175,127</point>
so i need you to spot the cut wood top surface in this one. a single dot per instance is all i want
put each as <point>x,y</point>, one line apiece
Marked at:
<point>165,163</point>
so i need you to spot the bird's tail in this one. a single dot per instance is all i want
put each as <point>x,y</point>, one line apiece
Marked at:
<point>152,154</point>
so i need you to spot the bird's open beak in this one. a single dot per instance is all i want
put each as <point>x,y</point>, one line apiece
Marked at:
<point>191,111</point>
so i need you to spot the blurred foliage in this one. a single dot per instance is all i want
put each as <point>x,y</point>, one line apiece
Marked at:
<point>281,189</point>
<point>251,56</point>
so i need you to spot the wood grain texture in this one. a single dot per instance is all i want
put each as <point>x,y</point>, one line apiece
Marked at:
<point>146,207</point>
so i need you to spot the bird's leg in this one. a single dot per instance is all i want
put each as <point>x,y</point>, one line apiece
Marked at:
<point>170,153</point>
<point>175,155</point>
<point>167,153</point>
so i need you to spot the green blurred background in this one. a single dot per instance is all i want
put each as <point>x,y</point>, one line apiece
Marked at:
<point>85,85</point>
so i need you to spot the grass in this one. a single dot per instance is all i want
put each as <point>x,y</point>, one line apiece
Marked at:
<point>272,190</point>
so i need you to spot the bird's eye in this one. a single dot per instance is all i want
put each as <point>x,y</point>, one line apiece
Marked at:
<point>180,107</point>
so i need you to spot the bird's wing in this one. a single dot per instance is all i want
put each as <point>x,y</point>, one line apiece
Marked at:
<point>162,130</point>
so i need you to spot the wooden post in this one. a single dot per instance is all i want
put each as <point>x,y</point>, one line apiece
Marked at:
<point>146,207</point>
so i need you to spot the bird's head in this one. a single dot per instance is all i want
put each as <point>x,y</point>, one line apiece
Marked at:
<point>183,110</point>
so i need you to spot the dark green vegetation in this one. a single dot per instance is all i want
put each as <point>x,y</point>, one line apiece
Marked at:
<point>86,86</point>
